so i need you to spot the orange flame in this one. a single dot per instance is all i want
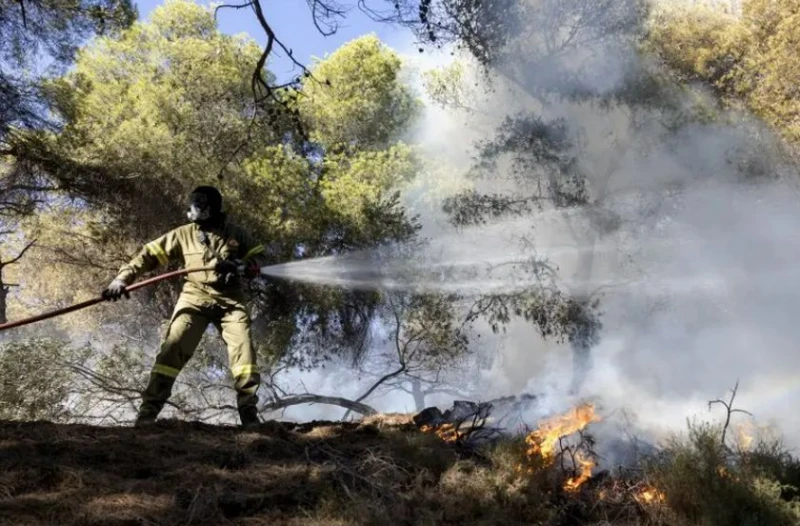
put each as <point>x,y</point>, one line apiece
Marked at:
<point>723,472</point>
<point>650,495</point>
<point>544,440</point>
<point>586,465</point>
<point>446,432</point>
<point>449,433</point>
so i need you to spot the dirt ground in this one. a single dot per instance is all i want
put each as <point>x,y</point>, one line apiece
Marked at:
<point>191,473</point>
<point>382,471</point>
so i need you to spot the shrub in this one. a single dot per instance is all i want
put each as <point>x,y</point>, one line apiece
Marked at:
<point>706,483</point>
<point>34,384</point>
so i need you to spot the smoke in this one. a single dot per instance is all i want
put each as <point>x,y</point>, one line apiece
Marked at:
<point>697,270</point>
<point>698,278</point>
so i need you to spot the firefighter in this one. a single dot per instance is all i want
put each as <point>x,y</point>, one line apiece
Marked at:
<point>207,297</point>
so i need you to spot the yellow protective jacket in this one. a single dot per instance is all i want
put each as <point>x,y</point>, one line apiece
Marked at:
<point>193,247</point>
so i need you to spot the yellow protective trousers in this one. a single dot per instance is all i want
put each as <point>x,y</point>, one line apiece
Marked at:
<point>189,321</point>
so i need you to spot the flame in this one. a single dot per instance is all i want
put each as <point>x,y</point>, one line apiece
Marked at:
<point>449,433</point>
<point>520,468</point>
<point>745,435</point>
<point>543,440</point>
<point>650,495</point>
<point>723,472</point>
<point>446,432</point>
<point>586,465</point>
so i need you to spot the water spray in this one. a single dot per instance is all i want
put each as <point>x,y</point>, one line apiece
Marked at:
<point>457,268</point>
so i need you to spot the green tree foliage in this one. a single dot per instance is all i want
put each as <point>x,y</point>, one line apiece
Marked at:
<point>34,29</point>
<point>168,105</point>
<point>750,58</point>
<point>357,109</point>
<point>32,33</point>
<point>161,108</point>
<point>57,28</point>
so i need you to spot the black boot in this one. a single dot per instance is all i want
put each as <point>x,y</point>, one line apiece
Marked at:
<point>145,421</point>
<point>148,412</point>
<point>158,391</point>
<point>249,417</point>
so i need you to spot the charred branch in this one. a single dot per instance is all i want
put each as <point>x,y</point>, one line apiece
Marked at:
<point>302,399</point>
<point>729,409</point>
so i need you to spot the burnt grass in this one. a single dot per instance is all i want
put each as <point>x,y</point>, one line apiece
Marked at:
<point>191,473</point>
<point>379,471</point>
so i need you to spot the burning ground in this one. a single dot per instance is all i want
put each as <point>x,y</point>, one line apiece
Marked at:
<point>430,468</point>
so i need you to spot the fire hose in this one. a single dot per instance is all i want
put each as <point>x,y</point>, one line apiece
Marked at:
<point>95,301</point>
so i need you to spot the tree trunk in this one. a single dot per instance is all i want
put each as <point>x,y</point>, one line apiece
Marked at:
<point>419,396</point>
<point>581,349</point>
<point>3,303</point>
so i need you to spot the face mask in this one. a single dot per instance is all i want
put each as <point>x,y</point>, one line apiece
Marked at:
<point>198,209</point>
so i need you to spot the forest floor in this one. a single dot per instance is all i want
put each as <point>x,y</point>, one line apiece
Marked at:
<point>380,471</point>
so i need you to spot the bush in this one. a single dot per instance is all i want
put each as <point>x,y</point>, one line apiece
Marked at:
<point>706,483</point>
<point>34,384</point>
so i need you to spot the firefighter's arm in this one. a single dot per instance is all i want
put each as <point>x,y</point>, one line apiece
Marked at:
<point>158,252</point>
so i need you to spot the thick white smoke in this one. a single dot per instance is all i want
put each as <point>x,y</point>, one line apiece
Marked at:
<point>696,270</point>
<point>699,280</point>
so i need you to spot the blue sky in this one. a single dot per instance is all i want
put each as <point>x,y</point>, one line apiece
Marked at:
<point>292,22</point>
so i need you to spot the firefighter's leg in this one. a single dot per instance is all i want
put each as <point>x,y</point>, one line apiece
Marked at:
<point>235,328</point>
<point>188,323</point>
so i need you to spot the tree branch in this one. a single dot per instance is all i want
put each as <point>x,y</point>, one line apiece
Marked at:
<point>309,398</point>
<point>19,256</point>
<point>380,381</point>
<point>24,15</point>
<point>729,409</point>
<point>231,6</point>
<point>329,12</point>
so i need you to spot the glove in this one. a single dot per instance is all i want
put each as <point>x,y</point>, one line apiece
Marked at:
<point>227,271</point>
<point>115,290</point>
<point>225,267</point>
